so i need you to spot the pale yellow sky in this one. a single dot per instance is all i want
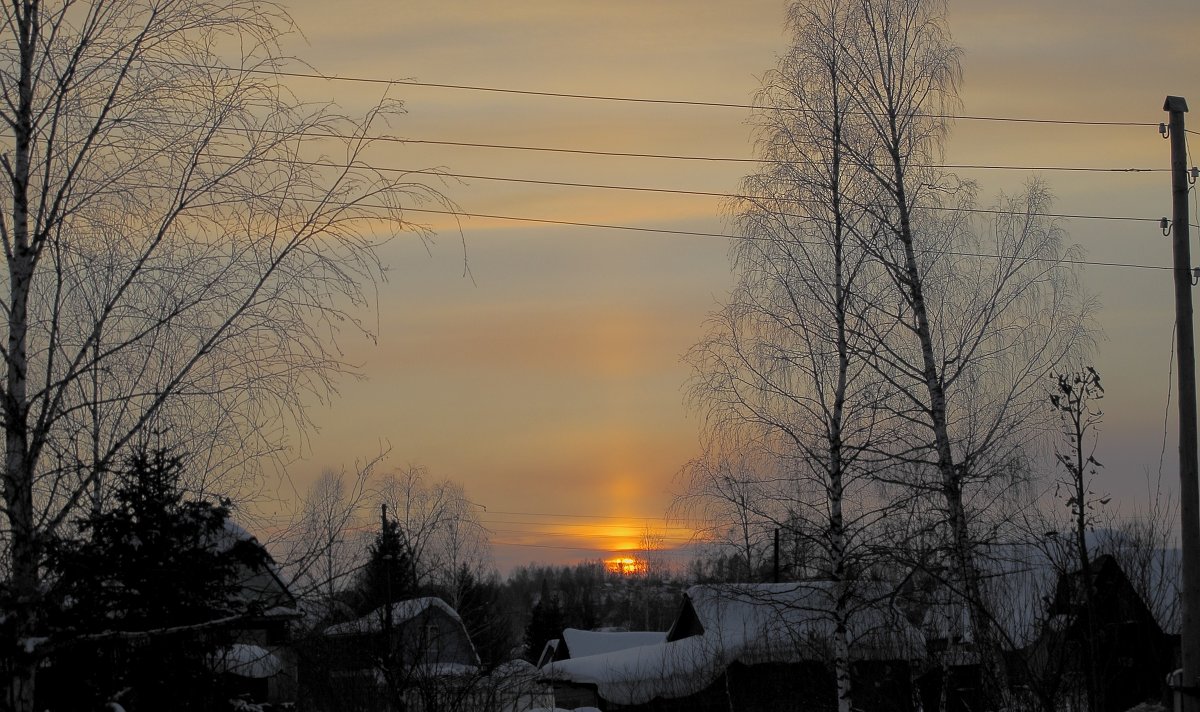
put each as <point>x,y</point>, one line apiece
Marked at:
<point>553,382</point>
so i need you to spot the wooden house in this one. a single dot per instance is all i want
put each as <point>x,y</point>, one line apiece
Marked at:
<point>1116,635</point>
<point>750,647</point>
<point>417,649</point>
<point>261,662</point>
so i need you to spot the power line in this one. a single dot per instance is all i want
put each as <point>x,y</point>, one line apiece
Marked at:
<point>609,186</point>
<point>697,233</point>
<point>327,134</point>
<point>671,191</point>
<point>574,516</point>
<point>726,159</point>
<point>657,552</point>
<point>694,233</point>
<point>648,189</point>
<point>613,98</point>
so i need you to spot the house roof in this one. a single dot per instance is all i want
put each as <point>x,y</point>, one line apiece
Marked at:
<point>789,621</point>
<point>246,660</point>
<point>719,625</point>
<point>1019,581</point>
<point>585,643</point>
<point>637,675</point>
<point>261,584</point>
<point>548,651</point>
<point>402,611</point>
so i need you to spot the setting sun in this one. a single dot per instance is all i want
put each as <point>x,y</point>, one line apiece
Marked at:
<point>626,565</point>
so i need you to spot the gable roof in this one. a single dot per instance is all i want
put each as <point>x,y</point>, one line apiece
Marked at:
<point>1020,580</point>
<point>548,652</point>
<point>719,625</point>
<point>790,621</point>
<point>585,643</point>
<point>260,585</point>
<point>402,612</point>
<point>1115,599</point>
<point>637,675</point>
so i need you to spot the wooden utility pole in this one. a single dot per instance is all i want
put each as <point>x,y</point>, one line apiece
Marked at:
<point>775,577</point>
<point>1189,490</point>
<point>387,573</point>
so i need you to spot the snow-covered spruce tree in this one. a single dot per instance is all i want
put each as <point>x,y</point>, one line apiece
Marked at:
<point>180,251</point>
<point>389,572</point>
<point>141,592</point>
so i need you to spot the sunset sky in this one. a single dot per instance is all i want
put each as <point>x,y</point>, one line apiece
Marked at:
<point>550,384</point>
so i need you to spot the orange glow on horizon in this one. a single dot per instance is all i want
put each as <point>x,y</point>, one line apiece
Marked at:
<point>626,565</point>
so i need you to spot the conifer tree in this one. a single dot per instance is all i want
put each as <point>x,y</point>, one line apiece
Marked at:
<point>132,574</point>
<point>389,575</point>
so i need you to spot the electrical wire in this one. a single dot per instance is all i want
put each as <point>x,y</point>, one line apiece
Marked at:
<point>645,189</point>
<point>697,233</point>
<point>670,191</point>
<point>281,73</point>
<point>658,552</point>
<point>573,525</point>
<point>694,233</point>
<point>380,138</point>
<point>1167,408</point>
<point>765,161</point>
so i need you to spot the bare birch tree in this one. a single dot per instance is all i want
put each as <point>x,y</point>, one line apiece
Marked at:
<point>327,544</point>
<point>440,526</point>
<point>180,252</point>
<point>875,319</point>
<point>782,365</point>
<point>722,498</point>
<point>968,337</point>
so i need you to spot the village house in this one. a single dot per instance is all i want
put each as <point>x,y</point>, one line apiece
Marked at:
<point>576,643</point>
<point>260,662</point>
<point>254,658</point>
<point>1130,653</point>
<point>413,649</point>
<point>1036,598</point>
<point>748,647</point>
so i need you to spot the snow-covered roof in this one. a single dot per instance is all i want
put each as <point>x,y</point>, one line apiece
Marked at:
<point>746,623</point>
<point>401,611</point>
<point>1019,581</point>
<point>522,670</point>
<point>231,533</point>
<point>585,643</point>
<point>246,661</point>
<point>261,584</point>
<point>793,621</point>
<point>430,670</point>
<point>548,651</point>
<point>637,675</point>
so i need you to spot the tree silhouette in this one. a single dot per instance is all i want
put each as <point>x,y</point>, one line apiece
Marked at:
<point>389,574</point>
<point>152,562</point>
<point>178,257</point>
<point>545,623</point>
